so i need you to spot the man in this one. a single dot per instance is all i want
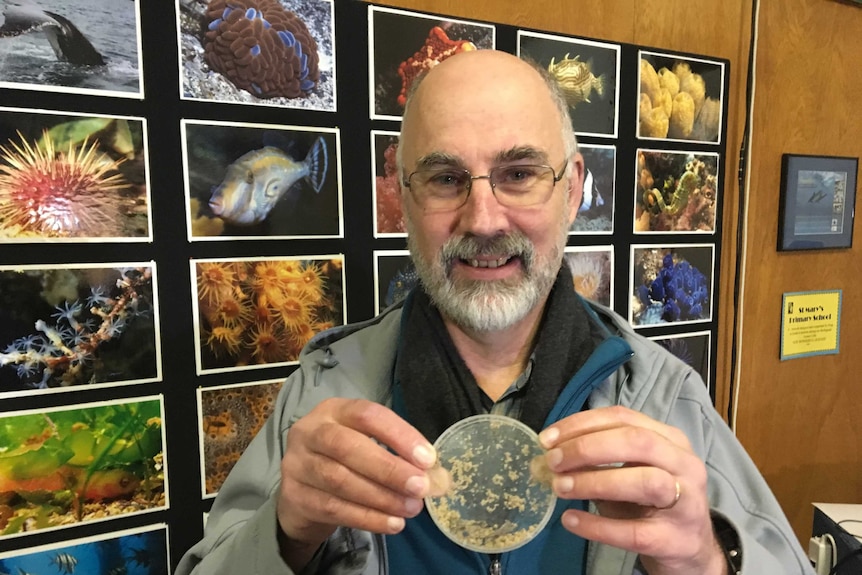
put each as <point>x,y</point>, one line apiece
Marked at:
<point>335,481</point>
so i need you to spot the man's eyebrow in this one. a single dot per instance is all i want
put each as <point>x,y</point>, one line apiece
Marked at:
<point>438,160</point>
<point>521,153</point>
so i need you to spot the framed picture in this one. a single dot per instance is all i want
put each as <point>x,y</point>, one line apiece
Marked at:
<point>818,195</point>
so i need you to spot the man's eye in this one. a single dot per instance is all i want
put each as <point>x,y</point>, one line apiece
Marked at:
<point>517,174</point>
<point>446,179</point>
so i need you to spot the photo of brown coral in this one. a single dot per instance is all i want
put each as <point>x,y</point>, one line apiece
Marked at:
<point>230,417</point>
<point>586,73</point>
<point>680,98</point>
<point>260,312</point>
<point>67,326</point>
<point>73,178</point>
<point>389,220</point>
<point>269,52</point>
<point>405,44</point>
<point>592,272</point>
<point>675,191</point>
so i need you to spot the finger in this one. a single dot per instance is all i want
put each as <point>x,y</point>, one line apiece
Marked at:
<point>647,537</point>
<point>380,422</point>
<point>601,419</point>
<point>642,485</point>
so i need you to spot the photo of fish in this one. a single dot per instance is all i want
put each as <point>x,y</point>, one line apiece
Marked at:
<point>404,44</point>
<point>675,192</point>
<point>73,178</point>
<point>260,312</point>
<point>286,57</point>
<point>80,46</point>
<point>229,417</point>
<point>138,551</point>
<point>680,98</point>
<point>692,348</point>
<point>388,217</point>
<point>587,74</point>
<point>671,284</point>
<point>255,181</point>
<point>85,463</point>
<point>592,270</point>
<point>394,277</point>
<point>596,213</point>
<point>69,326</point>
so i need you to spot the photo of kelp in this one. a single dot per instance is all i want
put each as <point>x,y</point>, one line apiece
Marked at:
<point>71,465</point>
<point>596,213</point>
<point>260,312</point>
<point>671,284</point>
<point>229,417</point>
<point>394,276</point>
<point>388,217</point>
<point>691,348</point>
<point>139,551</point>
<point>402,45</point>
<point>72,325</point>
<point>675,191</point>
<point>258,52</point>
<point>587,74</point>
<point>73,178</point>
<point>592,272</point>
<point>76,46</point>
<point>680,98</point>
<point>259,181</point>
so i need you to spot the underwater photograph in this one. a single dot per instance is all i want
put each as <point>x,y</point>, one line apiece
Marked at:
<point>592,272</point>
<point>587,74</point>
<point>596,213</point>
<point>287,56</point>
<point>388,218</point>
<point>72,178</point>
<point>66,466</point>
<point>675,191</point>
<point>73,325</point>
<point>229,417</point>
<point>394,275</point>
<point>671,284</point>
<point>404,44</point>
<point>255,181</point>
<point>259,312</point>
<point>76,46</point>
<point>680,98</point>
<point>140,551</point>
<point>691,348</point>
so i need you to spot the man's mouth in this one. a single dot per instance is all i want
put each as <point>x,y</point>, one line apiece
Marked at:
<point>487,263</point>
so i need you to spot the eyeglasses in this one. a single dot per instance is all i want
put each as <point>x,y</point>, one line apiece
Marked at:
<point>447,189</point>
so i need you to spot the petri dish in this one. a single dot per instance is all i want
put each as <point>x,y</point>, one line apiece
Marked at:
<point>491,501</point>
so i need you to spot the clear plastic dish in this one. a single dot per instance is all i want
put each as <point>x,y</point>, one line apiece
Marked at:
<point>488,491</point>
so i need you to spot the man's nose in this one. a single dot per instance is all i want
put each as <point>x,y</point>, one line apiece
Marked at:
<point>482,214</point>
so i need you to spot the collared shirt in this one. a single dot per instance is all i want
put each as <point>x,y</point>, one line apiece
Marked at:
<point>510,403</point>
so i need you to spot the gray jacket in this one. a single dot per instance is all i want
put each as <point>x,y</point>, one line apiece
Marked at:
<point>356,361</point>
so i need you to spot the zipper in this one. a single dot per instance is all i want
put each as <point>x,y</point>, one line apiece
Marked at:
<point>495,568</point>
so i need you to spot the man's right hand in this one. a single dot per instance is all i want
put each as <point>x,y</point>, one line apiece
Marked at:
<point>337,471</point>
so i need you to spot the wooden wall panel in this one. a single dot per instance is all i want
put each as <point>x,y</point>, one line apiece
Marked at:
<point>799,418</point>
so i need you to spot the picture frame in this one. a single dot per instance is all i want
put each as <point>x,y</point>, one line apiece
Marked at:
<point>817,202</point>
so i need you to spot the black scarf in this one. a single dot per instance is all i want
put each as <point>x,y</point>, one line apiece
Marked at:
<point>437,387</point>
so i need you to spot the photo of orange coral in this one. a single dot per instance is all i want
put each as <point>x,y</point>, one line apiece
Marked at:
<point>405,44</point>
<point>680,98</point>
<point>261,312</point>
<point>230,417</point>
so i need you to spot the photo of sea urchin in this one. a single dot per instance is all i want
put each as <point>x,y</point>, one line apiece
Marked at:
<point>72,178</point>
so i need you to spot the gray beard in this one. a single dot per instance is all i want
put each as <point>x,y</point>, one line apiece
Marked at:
<point>487,306</point>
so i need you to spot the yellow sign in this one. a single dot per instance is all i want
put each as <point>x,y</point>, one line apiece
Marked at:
<point>810,323</point>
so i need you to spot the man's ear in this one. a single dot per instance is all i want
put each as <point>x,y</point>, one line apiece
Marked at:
<point>576,186</point>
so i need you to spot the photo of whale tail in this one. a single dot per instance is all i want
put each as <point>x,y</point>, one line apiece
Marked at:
<point>68,42</point>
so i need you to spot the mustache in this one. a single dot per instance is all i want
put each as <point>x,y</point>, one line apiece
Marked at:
<point>468,247</point>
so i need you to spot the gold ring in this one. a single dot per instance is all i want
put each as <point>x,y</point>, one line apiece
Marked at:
<point>675,497</point>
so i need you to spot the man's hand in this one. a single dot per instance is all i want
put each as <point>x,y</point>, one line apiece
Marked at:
<point>337,471</point>
<point>648,484</point>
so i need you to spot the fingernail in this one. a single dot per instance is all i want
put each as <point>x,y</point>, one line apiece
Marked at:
<point>563,484</point>
<point>417,485</point>
<point>395,524</point>
<point>554,457</point>
<point>424,455</point>
<point>549,436</point>
<point>412,506</point>
<point>570,520</point>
